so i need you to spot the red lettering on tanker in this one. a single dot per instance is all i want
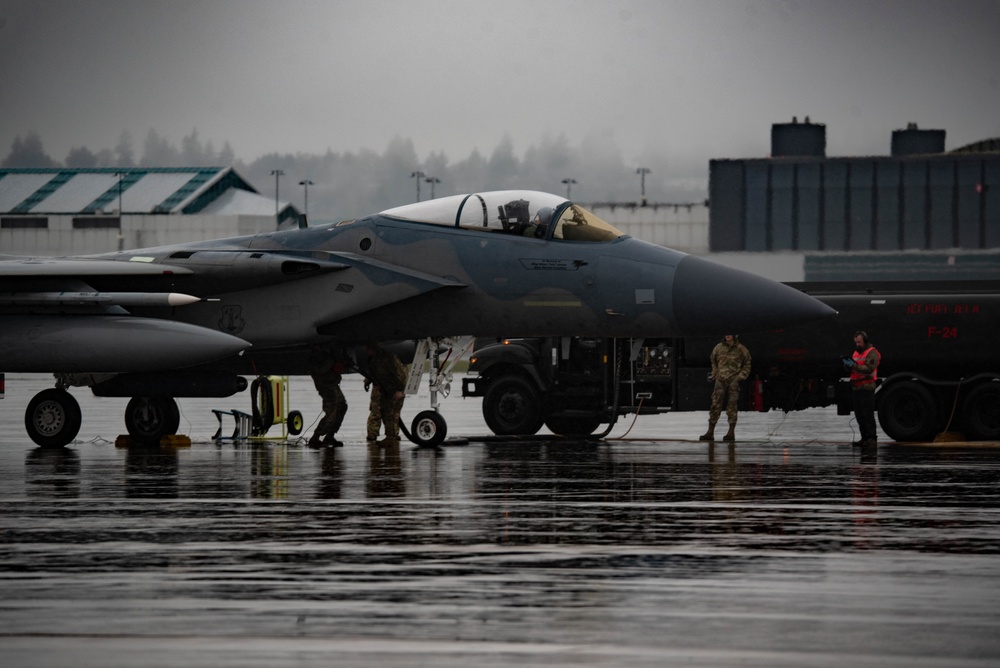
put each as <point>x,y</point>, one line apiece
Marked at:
<point>926,309</point>
<point>942,309</point>
<point>942,332</point>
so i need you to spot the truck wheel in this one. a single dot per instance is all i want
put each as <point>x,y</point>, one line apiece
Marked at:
<point>981,413</point>
<point>907,412</point>
<point>511,407</point>
<point>53,418</point>
<point>573,426</point>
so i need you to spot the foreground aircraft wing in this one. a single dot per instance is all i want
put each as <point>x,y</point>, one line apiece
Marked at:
<point>176,308</point>
<point>53,319</point>
<point>54,267</point>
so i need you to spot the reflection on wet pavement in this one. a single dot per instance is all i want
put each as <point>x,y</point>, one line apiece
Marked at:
<point>628,552</point>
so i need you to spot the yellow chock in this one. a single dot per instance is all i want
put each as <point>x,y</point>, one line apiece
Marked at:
<point>949,437</point>
<point>169,441</point>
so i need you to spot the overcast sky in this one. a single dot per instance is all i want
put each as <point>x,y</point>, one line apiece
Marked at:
<point>685,81</point>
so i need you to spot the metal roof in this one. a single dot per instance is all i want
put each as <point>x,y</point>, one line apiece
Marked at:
<point>141,190</point>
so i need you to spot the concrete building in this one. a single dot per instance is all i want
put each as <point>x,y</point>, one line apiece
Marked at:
<point>920,212</point>
<point>57,211</point>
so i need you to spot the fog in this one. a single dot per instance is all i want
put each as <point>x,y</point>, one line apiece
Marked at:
<point>356,96</point>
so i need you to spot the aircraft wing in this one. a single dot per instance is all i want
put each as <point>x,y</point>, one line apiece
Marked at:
<point>53,267</point>
<point>200,272</point>
<point>207,303</point>
<point>386,284</point>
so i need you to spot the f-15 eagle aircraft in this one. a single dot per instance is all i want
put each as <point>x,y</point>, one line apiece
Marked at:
<point>190,320</point>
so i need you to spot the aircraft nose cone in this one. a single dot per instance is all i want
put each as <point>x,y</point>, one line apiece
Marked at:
<point>710,299</point>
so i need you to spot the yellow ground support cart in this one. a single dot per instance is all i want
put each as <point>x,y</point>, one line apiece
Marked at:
<point>269,398</point>
<point>269,407</point>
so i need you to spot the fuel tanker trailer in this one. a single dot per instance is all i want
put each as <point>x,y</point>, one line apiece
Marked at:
<point>940,368</point>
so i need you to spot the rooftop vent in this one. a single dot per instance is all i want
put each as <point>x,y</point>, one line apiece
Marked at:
<point>798,139</point>
<point>914,141</point>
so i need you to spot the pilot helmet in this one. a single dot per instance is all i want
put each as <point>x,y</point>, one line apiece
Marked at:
<point>544,215</point>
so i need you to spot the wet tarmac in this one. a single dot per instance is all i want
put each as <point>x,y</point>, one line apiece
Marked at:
<point>789,548</point>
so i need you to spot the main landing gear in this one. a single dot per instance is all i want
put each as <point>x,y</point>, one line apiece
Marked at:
<point>53,418</point>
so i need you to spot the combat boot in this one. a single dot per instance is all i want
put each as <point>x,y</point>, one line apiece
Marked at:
<point>731,434</point>
<point>390,441</point>
<point>708,435</point>
<point>332,441</point>
<point>316,441</point>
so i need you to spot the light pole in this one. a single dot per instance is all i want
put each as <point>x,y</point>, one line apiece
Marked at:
<point>418,175</point>
<point>569,183</point>
<point>305,184</point>
<point>642,171</point>
<point>121,215</point>
<point>276,173</point>
<point>432,180</point>
<point>120,176</point>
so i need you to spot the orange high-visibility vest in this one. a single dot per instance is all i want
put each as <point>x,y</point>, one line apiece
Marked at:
<point>858,378</point>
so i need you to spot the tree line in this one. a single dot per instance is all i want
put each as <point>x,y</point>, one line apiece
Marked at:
<point>345,185</point>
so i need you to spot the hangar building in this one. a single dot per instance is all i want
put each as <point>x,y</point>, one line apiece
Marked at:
<point>919,212</point>
<point>64,211</point>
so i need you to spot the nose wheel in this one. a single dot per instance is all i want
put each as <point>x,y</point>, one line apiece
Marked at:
<point>428,429</point>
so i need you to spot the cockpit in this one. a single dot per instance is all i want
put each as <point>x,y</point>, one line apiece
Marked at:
<point>524,213</point>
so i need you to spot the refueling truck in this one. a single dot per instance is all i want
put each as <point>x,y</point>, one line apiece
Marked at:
<point>940,368</point>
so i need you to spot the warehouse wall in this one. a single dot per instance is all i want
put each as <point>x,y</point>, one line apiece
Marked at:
<point>53,236</point>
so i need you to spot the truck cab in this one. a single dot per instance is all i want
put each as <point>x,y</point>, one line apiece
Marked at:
<point>572,385</point>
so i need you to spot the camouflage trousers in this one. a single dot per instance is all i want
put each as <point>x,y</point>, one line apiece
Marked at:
<point>374,414</point>
<point>334,410</point>
<point>387,409</point>
<point>725,392</point>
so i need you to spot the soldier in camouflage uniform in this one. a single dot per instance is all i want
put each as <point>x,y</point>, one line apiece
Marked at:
<point>388,375</point>
<point>326,374</point>
<point>374,412</point>
<point>730,365</point>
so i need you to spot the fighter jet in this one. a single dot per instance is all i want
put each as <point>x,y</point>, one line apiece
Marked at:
<point>192,320</point>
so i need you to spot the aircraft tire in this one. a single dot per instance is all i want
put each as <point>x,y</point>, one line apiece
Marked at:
<point>173,416</point>
<point>908,412</point>
<point>511,407</point>
<point>428,429</point>
<point>981,413</point>
<point>148,419</point>
<point>53,418</point>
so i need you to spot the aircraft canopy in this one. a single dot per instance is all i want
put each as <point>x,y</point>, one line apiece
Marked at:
<point>525,213</point>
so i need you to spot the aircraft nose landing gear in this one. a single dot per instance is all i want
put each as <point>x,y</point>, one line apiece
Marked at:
<point>429,428</point>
